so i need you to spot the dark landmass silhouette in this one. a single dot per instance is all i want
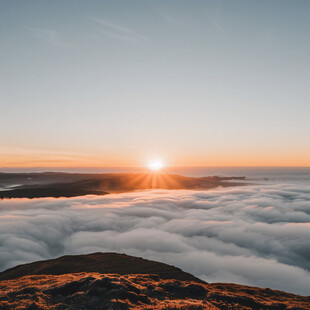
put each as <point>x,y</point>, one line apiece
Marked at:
<point>119,281</point>
<point>98,262</point>
<point>54,184</point>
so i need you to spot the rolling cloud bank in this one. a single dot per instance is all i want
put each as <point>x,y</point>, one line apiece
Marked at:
<point>254,235</point>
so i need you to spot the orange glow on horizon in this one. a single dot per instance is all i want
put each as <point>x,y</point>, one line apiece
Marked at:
<point>240,159</point>
<point>154,180</point>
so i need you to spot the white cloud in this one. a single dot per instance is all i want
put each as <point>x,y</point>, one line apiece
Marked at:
<point>255,235</point>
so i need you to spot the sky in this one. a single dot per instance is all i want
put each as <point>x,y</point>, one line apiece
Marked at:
<point>118,83</point>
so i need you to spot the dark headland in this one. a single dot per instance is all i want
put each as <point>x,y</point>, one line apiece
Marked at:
<point>57,184</point>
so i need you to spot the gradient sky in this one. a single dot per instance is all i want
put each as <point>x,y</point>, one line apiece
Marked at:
<point>117,83</point>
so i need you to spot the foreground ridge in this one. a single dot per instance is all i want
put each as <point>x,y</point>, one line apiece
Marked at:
<point>72,282</point>
<point>110,262</point>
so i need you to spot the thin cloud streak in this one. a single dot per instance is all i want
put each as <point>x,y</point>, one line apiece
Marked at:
<point>50,36</point>
<point>169,18</point>
<point>119,32</point>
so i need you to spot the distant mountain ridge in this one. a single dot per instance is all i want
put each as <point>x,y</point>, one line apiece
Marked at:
<point>54,184</point>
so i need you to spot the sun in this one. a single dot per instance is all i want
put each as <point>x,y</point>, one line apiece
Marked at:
<point>155,165</point>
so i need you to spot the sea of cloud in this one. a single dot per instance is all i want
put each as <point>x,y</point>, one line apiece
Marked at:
<point>254,235</point>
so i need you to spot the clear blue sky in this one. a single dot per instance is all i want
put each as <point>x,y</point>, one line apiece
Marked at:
<point>119,82</point>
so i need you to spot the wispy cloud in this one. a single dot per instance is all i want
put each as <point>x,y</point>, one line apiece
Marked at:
<point>214,16</point>
<point>119,32</point>
<point>169,18</point>
<point>50,36</point>
<point>185,21</point>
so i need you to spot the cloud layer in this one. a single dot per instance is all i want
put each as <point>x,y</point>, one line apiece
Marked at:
<point>255,235</point>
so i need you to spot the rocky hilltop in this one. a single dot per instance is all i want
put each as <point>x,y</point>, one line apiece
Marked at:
<point>119,281</point>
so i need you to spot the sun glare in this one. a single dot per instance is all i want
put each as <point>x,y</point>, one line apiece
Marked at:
<point>155,165</point>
